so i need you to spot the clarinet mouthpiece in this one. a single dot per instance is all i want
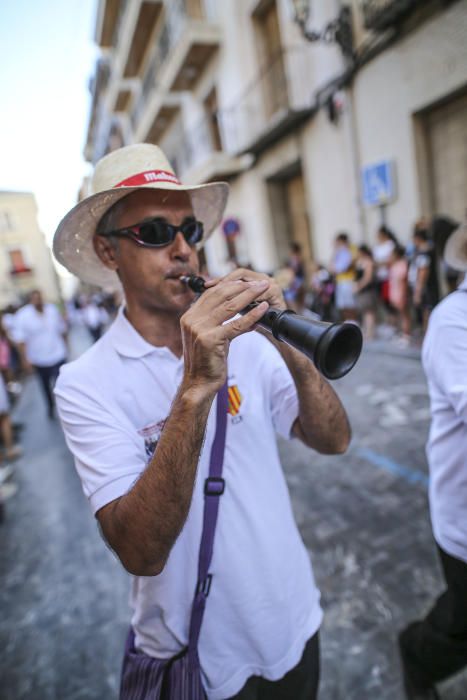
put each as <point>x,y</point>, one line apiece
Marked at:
<point>194,282</point>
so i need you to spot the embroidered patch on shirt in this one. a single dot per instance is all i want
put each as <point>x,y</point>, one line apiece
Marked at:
<point>235,400</point>
<point>151,434</point>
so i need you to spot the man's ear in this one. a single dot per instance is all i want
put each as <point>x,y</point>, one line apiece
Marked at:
<point>106,251</point>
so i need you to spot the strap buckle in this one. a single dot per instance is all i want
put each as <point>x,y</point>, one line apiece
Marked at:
<point>214,486</point>
<point>204,586</point>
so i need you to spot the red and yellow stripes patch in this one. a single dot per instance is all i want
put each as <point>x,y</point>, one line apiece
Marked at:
<point>235,400</point>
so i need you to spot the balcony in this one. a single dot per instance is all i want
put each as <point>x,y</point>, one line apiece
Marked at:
<point>125,95</point>
<point>109,16</point>
<point>97,86</point>
<point>184,46</point>
<point>379,15</point>
<point>192,41</point>
<point>165,116</point>
<point>143,24</point>
<point>274,103</point>
<point>198,155</point>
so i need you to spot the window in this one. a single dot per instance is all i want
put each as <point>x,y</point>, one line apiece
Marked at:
<point>18,264</point>
<point>273,76</point>
<point>210,104</point>
<point>6,223</point>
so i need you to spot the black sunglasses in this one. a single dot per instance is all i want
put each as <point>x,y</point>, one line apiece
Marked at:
<point>157,232</point>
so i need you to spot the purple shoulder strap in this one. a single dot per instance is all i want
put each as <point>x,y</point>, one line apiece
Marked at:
<point>213,489</point>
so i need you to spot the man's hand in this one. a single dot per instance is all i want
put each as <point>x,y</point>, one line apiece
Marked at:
<point>272,294</point>
<point>207,330</point>
<point>322,422</point>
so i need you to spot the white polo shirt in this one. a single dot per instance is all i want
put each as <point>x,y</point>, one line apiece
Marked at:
<point>41,333</point>
<point>263,605</point>
<point>445,363</point>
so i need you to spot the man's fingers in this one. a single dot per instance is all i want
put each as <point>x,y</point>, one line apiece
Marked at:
<point>229,299</point>
<point>239,273</point>
<point>245,323</point>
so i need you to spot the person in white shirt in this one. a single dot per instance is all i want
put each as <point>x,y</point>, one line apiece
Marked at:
<point>137,411</point>
<point>40,332</point>
<point>95,318</point>
<point>435,648</point>
<point>382,252</point>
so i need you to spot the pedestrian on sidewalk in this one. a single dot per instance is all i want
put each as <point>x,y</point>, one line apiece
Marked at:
<point>95,318</point>
<point>10,451</point>
<point>40,332</point>
<point>343,268</point>
<point>386,241</point>
<point>423,276</point>
<point>435,648</point>
<point>365,288</point>
<point>294,293</point>
<point>138,410</point>
<point>399,294</point>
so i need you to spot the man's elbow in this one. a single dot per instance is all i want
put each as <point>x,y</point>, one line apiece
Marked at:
<point>342,441</point>
<point>342,446</point>
<point>139,567</point>
<point>337,445</point>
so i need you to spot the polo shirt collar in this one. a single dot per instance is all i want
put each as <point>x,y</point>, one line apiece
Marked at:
<point>128,342</point>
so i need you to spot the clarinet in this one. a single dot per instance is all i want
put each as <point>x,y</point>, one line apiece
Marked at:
<point>334,348</point>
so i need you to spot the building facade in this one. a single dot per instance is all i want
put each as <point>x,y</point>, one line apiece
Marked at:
<point>25,258</point>
<point>314,137</point>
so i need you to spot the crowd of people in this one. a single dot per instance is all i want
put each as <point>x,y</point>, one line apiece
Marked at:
<point>390,288</point>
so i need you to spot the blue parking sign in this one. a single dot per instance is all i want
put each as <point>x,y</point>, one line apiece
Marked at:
<point>378,183</point>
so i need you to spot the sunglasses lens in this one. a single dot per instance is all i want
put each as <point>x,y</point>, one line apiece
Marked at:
<point>160,233</point>
<point>156,233</point>
<point>193,231</point>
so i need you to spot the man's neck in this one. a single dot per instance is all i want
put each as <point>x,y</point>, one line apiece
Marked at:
<point>161,329</point>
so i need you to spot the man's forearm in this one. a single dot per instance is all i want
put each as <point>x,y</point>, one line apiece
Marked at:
<point>322,421</point>
<point>142,526</point>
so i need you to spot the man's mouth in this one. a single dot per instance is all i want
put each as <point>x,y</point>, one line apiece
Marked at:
<point>179,273</point>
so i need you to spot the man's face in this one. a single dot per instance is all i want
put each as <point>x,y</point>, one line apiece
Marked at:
<point>36,299</point>
<point>418,242</point>
<point>150,276</point>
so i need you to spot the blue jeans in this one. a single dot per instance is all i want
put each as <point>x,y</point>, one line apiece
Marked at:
<point>47,377</point>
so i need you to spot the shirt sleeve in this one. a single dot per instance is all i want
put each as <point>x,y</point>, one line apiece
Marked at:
<point>343,261</point>
<point>423,261</point>
<point>108,456</point>
<point>17,332</point>
<point>447,364</point>
<point>60,321</point>
<point>280,388</point>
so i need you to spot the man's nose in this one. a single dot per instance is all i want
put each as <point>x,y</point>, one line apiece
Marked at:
<point>180,249</point>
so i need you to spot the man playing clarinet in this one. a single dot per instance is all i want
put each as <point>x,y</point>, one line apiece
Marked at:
<point>139,414</point>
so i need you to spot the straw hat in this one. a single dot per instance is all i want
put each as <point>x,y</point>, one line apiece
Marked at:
<point>121,172</point>
<point>455,252</point>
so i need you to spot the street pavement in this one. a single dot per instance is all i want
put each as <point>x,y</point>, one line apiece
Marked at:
<point>363,516</point>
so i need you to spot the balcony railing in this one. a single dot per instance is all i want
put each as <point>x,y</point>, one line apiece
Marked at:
<point>101,77</point>
<point>380,15</point>
<point>193,147</point>
<point>281,89</point>
<point>118,23</point>
<point>170,32</point>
